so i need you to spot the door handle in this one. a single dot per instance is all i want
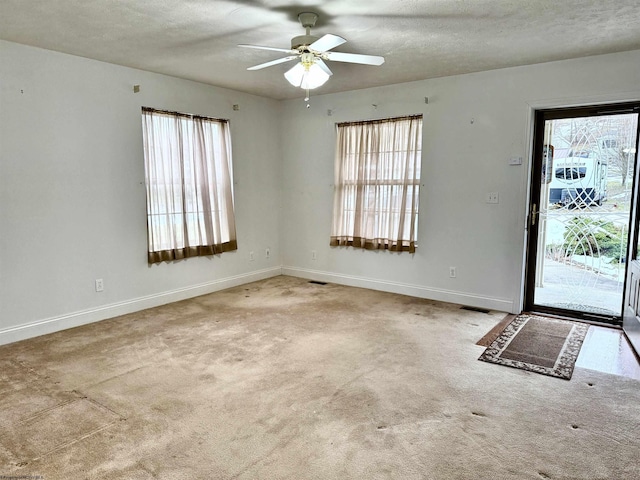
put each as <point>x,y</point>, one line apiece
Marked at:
<point>534,214</point>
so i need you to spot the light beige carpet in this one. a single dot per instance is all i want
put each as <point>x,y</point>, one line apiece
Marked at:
<point>283,379</point>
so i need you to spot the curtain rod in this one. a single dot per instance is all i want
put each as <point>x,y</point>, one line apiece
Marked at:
<point>185,115</point>
<point>379,120</point>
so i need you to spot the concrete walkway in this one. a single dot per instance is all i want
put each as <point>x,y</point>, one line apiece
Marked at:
<point>579,288</point>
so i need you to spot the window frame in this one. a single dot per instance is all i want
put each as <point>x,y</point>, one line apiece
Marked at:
<point>189,185</point>
<point>377,149</point>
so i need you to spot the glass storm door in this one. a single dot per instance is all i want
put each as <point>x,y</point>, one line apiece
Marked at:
<point>582,198</point>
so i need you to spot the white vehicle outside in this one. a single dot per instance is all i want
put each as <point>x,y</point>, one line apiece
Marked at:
<point>578,179</point>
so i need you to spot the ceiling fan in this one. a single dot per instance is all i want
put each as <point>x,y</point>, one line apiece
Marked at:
<point>311,71</point>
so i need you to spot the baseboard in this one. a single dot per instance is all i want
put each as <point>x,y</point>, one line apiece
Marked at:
<point>403,288</point>
<point>76,319</point>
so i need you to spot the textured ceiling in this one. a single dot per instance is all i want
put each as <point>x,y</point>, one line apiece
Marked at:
<point>197,39</point>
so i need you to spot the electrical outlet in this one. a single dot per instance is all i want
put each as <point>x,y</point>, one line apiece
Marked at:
<point>251,256</point>
<point>314,255</point>
<point>493,197</point>
<point>452,272</point>
<point>267,253</point>
<point>99,285</point>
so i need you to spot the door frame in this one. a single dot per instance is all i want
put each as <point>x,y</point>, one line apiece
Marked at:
<point>540,115</point>
<point>630,310</point>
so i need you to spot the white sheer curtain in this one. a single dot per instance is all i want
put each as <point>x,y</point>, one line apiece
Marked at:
<point>377,182</point>
<point>188,174</point>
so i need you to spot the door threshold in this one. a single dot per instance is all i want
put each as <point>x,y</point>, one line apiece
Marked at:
<point>559,316</point>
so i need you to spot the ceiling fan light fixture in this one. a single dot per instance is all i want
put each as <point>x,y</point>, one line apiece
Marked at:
<point>306,76</point>
<point>312,71</point>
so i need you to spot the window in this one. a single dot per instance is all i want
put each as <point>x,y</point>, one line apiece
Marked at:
<point>377,180</point>
<point>571,173</point>
<point>188,173</point>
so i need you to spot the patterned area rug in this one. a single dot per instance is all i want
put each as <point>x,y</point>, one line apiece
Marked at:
<point>538,344</point>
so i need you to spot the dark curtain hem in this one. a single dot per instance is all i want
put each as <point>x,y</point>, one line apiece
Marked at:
<point>182,253</point>
<point>368,244</point>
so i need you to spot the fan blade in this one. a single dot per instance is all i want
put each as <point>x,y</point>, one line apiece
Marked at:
<point>326,42</point>
<point>354,58</point>
<point>274,49</point>
<point>273,62</point>
<point>323,66</point>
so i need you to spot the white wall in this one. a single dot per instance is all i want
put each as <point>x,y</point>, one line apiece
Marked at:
<point>72,195</point>
<point>72,200</point>
<point>473,125</point>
